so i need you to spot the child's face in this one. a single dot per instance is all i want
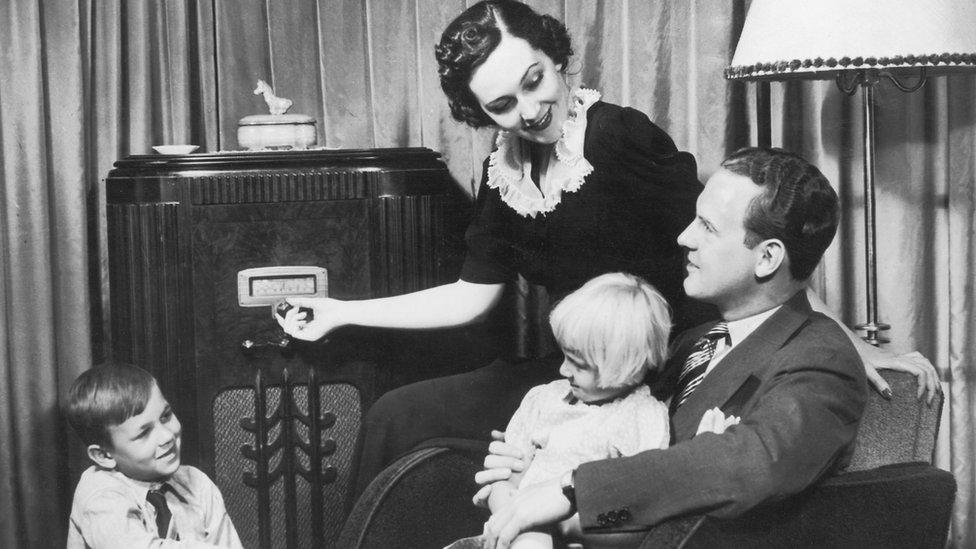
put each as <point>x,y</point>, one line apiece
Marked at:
<point>584,379</point>
<point>147,446</point>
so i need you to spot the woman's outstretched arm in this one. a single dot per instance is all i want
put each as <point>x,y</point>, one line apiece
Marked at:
<point>445,306</point>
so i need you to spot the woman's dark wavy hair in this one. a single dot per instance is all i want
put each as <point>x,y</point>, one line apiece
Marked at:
<point>473,35</point>
<point>797,205</point>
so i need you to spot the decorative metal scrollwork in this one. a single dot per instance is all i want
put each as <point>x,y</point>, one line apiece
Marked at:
<point>283,424</point>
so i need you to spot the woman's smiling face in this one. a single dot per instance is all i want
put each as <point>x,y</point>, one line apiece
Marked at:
<point>522,91</point>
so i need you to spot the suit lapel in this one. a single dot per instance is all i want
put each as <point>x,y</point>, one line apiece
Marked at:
<point>735,379</point>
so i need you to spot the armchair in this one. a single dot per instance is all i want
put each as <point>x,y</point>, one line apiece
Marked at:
<point>889,496</point>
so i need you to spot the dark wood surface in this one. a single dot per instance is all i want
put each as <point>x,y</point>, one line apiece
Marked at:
<point>382,222</point>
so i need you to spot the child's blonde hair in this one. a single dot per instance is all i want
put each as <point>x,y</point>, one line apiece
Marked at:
<point>617,323</point>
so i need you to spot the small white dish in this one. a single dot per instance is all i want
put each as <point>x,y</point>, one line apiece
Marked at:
<point>175,149</point>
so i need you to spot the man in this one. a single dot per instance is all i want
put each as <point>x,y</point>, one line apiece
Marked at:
<point>789,374</point>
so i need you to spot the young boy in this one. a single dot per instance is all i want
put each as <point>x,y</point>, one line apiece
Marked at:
<point>137,494</point>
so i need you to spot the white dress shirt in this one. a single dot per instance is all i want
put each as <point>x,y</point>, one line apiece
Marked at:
<point>110,511</point>
<point>738,331</point>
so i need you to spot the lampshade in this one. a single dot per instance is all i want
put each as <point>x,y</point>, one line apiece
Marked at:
<point>786,39</point>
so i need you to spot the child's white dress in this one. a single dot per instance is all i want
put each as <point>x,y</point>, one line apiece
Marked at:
<point>565,432</point>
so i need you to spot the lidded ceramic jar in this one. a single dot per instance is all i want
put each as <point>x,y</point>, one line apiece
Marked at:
<point>276,131</point>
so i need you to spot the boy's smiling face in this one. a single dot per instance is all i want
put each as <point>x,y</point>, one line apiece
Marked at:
<point>147,445</point>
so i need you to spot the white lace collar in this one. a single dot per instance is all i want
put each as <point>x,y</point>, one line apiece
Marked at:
<point>510,171</point>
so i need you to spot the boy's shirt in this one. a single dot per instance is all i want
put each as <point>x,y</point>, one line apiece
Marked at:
<point>110,510</point>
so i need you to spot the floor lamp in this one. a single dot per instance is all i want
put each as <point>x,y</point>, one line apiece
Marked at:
<point>858,43</point>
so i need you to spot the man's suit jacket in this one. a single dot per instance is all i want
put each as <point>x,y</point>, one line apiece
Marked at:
<point>800,389</point>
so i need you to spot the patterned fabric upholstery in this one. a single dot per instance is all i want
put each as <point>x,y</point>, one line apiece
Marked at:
<point>897,431</point>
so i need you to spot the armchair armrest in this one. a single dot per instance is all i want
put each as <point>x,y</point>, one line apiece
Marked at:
<point>423,501</point>
<point>900,505</point>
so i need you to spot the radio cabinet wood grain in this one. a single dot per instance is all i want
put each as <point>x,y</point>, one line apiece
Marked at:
<point>277,428</point>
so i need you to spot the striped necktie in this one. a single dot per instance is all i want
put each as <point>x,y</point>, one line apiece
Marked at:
<point>696,364</point>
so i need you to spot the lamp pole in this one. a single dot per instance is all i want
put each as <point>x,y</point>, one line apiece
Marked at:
<point>866,80</point>
<point>872,328</point>
<point>858,44</point>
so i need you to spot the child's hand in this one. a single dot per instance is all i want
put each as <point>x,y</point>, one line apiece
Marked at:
<point>714,421</point>
<point>480,498</point>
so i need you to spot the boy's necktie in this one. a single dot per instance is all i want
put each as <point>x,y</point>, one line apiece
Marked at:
<point>696,364</point>
<point>157,499</point>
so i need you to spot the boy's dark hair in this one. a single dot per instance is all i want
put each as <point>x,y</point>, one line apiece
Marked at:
<point>472,36</point>
<point>106,395</point>
<point>796,205</point>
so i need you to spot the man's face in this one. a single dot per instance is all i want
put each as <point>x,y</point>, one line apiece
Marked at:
<point>721,269</point>
<point>147,446</point>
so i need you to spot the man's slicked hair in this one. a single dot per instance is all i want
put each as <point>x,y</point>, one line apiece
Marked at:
<point>797,205</point>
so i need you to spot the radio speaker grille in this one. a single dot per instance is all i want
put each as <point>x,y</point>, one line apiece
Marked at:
<point>233,405</point>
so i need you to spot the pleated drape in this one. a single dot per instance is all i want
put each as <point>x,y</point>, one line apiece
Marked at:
<point>366,70</point>
<point>88,82</point>
<point>925,192</point>
<point>956,329</point>
<point>44,288</point>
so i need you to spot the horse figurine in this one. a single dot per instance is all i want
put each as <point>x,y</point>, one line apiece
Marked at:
<point>277,105</point>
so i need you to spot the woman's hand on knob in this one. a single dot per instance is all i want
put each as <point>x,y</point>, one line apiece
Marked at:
<point>311,318</point>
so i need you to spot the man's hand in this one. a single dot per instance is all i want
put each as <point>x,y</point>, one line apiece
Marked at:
<point>494,496</point>
<point>502,461</point>
<point>913,363</point>
<point>535,506</point>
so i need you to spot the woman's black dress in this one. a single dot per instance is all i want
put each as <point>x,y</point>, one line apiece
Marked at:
<point>625,217</point>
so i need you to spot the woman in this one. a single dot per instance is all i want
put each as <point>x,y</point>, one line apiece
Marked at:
<point>575,188</point>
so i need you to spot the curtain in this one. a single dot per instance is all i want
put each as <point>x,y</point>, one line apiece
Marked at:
<point>90,81</point>
<point>45,330</point>
<point>956,337</point>
<point>366,71</point>
<point>925,191</point>
<point>84,84</point>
